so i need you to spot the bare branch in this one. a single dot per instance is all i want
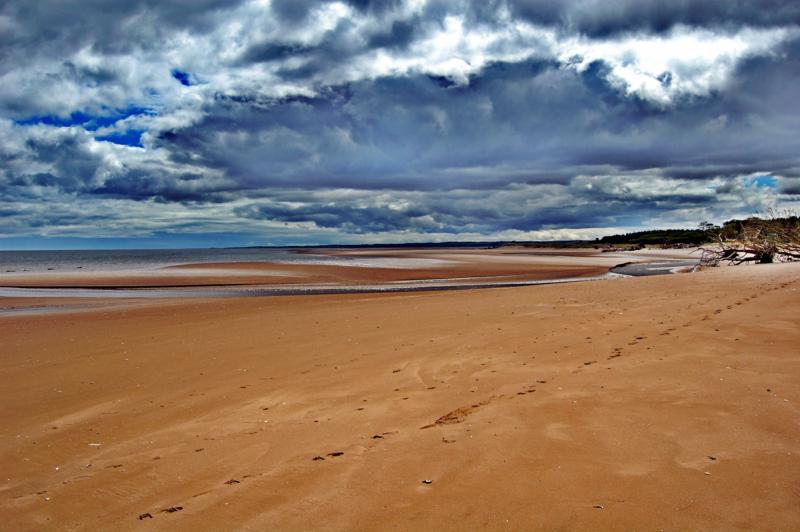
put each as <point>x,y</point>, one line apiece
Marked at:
<point>775,238</point>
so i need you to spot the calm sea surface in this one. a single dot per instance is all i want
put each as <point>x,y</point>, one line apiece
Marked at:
<point>140,259</point>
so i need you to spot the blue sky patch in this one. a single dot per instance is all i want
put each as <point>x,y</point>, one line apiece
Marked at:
<point>763,181</point>
<point>131,137</point>
<point>184,78</point>
<point>87,121</point>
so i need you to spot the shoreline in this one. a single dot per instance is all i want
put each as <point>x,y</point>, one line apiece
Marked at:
<point>360,271</point>
<point>111,293</point>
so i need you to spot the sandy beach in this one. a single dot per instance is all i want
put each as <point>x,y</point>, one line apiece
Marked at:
<point>648,403</point>
<point>400,265</point>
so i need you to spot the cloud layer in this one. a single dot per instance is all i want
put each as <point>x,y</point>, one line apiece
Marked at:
<point>295,121</point>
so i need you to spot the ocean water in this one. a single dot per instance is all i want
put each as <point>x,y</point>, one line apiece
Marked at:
<point>75,261</point>
<point>128,260</point>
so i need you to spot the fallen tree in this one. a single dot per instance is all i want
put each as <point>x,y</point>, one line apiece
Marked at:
<point>758,240</point>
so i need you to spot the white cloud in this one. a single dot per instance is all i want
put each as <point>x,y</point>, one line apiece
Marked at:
<point>696,61</point>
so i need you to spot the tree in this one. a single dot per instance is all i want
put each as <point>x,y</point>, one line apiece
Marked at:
<point>760,240</point>
<point>707,226</point>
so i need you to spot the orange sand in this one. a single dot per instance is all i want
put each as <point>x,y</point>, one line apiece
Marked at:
<point>649,403</point>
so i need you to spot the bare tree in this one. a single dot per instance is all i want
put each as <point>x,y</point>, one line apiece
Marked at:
<point>775,238</point>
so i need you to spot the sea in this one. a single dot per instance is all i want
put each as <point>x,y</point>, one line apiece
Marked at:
<point>113,260</point>
<point>137,260</point>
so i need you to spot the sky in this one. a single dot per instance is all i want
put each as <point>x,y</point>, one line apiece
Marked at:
<point>169,123</point>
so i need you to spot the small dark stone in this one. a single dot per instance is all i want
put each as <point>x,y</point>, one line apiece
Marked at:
<point>145,516</point>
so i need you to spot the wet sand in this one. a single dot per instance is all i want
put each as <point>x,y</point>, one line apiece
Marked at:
<point>332,271</point>
<point>642,403</point>
<point>360,267</point>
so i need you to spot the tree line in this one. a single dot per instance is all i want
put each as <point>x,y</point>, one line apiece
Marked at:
<point>771,238</point>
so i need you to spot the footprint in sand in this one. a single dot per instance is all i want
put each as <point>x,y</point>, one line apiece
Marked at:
<point>528,389</point>
<point>458,415</point>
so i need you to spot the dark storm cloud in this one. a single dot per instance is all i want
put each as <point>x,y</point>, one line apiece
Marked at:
<point>335,48</point>
<point>138,185</point>
<point>369,117</point>
<point>272,51</point>
<point>544,123</point>
<point>399,35</point>
<point>60,26</point>
<point>297,10</point>
<point>478,211</point>
<point>42,44</point>
<point>292,10</point>
<point>592,18</point>
<point>67,154</point>
<point>598,18</point>
<point>349,218</point>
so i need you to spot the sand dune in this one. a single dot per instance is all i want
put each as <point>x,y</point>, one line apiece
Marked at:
<point>650,403</point>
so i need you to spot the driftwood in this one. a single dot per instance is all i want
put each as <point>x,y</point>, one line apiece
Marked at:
<point>775,239</point>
